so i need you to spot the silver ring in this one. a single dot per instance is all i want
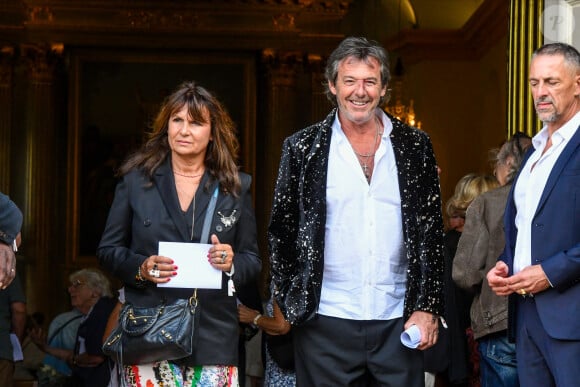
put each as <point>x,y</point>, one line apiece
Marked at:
<point>154,273</point>
<point>224,256</point>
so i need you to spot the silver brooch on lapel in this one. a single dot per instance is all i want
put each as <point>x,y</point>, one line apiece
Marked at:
<point>228,221</point>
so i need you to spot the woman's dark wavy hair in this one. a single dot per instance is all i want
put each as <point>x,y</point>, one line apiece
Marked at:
<point>361,49</point>
<point>222,150</point>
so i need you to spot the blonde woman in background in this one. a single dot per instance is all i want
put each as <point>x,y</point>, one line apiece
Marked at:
<point>481,243</point>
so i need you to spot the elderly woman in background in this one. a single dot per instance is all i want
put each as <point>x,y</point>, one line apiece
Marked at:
<point>480,245</point>
<point>90,294</point>
<point>163,195</point>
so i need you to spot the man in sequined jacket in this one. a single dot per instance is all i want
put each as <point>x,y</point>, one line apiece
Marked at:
<point>356,233</point>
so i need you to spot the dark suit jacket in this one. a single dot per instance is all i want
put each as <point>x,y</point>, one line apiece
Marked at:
<point>144,213</point>
<point>297,225</point>
<point>10,219</point>
<point>555,245</point>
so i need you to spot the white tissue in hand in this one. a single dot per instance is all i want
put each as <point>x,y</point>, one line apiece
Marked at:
<point>411,337</point>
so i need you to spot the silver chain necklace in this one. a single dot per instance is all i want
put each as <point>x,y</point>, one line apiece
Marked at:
<point>363,159</point>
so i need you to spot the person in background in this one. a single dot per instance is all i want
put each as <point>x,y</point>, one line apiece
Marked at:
<point>481,242</point>
<point>27,369</point>
<point>12,298</point>
<point>272,324</point>
<point>453,359</point>
<point>61,337</point>
<point>12,323</point>
<point>356,233</point>
<point>112,323</point>
<point>249,295</point>
<point>540,266</point>
<point>163,195</point>
<point>90,293</point>
<point>10,223</point>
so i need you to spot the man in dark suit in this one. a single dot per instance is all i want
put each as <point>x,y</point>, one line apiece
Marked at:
<point>10,223</point>
<point>356,234</point>
<point>540,266</point>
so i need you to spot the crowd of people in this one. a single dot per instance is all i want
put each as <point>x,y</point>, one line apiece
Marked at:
<point>359,251</point>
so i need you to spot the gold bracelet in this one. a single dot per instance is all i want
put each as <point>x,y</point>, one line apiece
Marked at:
<point>257,318</point>
<point>139,278</point>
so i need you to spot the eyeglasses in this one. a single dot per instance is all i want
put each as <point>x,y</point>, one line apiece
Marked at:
<point>77,283</point>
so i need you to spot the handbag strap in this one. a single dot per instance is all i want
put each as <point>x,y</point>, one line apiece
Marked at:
<point>208,217</point>
<point>60,328</point>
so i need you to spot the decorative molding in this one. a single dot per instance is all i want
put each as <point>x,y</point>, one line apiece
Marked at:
<point>282,66</point>
<point>174,23</point>
<point>6,66</point>
<point>42,61</point>
<point>488,24</point>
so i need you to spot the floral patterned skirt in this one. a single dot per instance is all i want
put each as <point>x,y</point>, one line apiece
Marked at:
<point>168,374</point>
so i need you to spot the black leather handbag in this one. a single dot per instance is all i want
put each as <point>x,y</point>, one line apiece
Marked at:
<point>163,332</point>
<point>149,334</point>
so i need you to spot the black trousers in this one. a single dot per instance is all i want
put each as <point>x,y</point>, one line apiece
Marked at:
<point>338,352</point>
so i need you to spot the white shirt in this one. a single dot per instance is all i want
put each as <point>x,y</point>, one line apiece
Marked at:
<point>531,184</point>
<point>364,258</point>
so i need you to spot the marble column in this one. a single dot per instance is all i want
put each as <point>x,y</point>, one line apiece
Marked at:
<point>43,188</point>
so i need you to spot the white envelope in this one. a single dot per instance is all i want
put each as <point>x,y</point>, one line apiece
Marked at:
<point>193,269</point>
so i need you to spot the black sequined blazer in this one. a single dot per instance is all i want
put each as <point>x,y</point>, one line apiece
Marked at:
<point>297,224</point>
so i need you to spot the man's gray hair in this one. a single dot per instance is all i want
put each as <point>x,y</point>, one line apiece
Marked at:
<point>570,54</point>
<point>359,48</point>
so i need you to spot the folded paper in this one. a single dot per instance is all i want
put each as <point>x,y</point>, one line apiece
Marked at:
<point>411,337</point>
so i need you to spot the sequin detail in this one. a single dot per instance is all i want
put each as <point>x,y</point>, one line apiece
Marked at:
<point>297,225</point>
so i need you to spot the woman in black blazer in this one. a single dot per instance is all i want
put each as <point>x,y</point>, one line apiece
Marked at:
<point>163,195</point>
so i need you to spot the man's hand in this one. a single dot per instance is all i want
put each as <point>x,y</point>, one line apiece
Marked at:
<point>530,280</point>
<point>497,279</point>
<point>7,265</point>
<point>428,324</point>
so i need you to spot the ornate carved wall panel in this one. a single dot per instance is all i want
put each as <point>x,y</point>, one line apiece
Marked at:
<point>243,24</point>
